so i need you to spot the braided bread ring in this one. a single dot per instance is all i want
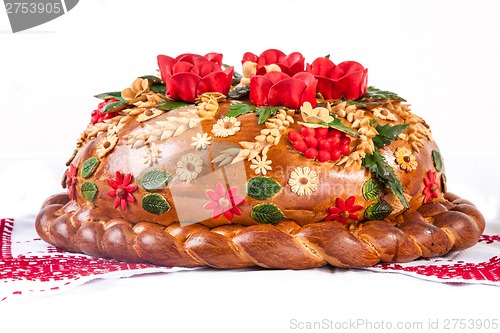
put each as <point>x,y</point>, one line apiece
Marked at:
<point>433,230</point>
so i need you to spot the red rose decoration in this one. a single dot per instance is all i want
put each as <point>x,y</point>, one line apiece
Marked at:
<point>291,64</point>
<point>280,89</point>
<point>190,75</point>
<point>348,79</point>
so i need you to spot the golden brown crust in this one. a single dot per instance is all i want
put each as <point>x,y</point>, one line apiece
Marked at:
<point>427,232</point>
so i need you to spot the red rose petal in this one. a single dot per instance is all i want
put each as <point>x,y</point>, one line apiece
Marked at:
<point>296,63</point>
<point>259,89</point>
<point>325,87</point>
<point>213,82</point>
<point>249,56</point>
<point>276,77</point>
<point>287,92</point>
<point>203,68</point>
<point>214,57</point>
<point>271,56</point>
<point>190,57</point>
<point>165,64</point>
<point>309,94</point>
<point>349,86</point>
<point>321,67</point>
<point>182,67</point>
<point>183,86</point>
<point>229,79</point>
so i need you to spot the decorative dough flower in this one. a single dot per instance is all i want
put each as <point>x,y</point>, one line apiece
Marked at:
<point>151,155</point>
<point>138,87</point>
<point>201,141</point>
<point>71,181</point>
<point>280,89</point>
<point>106,145</point>
<point>224,202</point>
<point>225,127</point>
<point>405,159</point>
<point>316,115</point>
<point>343,210</point>
<point>207,106</point>
<point>303,181</point>
<point>189,167</point>
<point>149,114</point>
<point>384,114</point>
<point>348,79</point>
<point>190,75</point>
<point>122,190</point>
<point>431,186</point>
<point>260,165</point>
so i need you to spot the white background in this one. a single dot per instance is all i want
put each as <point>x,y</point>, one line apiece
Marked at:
<point>442,56</point>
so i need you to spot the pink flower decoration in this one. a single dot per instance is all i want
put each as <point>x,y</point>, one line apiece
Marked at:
<point>71,181</point>
<point>343,210</point>
<point>279,89</point>
<point>122,190</point>
<point>291,64</point>
<point>190,75</point>
<point>224,202</point>
<point>431,186</point>
<point>348,79</point>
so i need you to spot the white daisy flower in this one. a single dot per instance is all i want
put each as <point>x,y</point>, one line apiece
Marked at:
<point>151,155</point>
<point>225,127</point>
<point>201,141</point>
<point>189,167</point>
<point>303,181</point>
<point>261,165</point>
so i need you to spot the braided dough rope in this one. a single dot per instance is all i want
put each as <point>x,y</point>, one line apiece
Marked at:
<point>433,230</point>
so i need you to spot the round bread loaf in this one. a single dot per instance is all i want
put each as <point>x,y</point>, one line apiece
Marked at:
<point>206,167</point>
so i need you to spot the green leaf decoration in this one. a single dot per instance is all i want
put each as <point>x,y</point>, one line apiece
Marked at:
<point>89,190</point>
<point>152,79</point>
<point>438,162</point>
<point>444,186</point>
<point>385,174</point>
<point>378,210</point>
<point>388,133</point>
<point>114,94</point>
<point>158,88</point>
<point>155,180</point>
<point>237,109</point>
<point>373,189</point>
<point>264,112</point>
<point>236,77</point>
<point>373,92</point>
<point>374,97</point>
<point>337,124</point>
<point>171,105</point>
<point>89,167</point>
<point>155,203</point>
<point>114,106</point>
<point>239,93</point>
<point>267,213</point>
<point>262,188</point>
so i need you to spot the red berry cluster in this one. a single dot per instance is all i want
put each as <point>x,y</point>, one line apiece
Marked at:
<point>321,144</point>
<point>97,116</point>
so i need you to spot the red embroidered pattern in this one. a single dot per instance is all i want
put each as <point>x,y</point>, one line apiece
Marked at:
<point>48,267</point>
